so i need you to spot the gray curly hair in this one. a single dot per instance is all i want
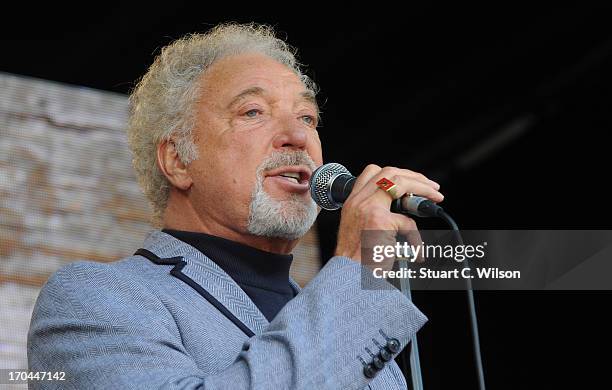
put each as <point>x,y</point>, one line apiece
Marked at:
<point>162,103</point>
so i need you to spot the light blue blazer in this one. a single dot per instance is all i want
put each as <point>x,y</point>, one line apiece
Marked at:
<point>175,320</point>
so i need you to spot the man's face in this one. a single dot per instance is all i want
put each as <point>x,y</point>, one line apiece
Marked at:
<point>253,113</point>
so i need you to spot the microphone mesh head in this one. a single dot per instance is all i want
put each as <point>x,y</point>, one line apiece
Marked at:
<point>321,182</point>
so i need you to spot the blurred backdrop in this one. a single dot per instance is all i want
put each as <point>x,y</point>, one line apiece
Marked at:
<point>69,194</point>
<point>506,106</point>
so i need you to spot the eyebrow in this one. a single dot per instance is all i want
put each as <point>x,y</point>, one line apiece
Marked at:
<point>307,96</point>
<point>310,97</point>
<point>252,91</point>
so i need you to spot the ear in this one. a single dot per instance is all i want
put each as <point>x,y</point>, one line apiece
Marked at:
<point>171,165</point>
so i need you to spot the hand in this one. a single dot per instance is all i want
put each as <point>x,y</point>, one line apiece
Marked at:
<point>368,208</point>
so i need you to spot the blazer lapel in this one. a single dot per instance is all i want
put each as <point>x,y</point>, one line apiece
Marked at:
<point>295,286</point>
<point>202,273</point>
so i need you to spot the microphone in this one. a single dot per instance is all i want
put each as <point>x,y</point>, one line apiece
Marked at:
<point>331,184</point>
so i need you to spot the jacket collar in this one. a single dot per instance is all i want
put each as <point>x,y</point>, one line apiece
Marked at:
<point>194,268</point>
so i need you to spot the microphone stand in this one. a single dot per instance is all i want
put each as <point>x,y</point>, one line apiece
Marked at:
<point>415,364</point>
<point>471,305</point>
<point>415,368</point>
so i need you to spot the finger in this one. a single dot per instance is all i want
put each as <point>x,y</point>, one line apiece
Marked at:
<point>409,232</point>
<point>406,185</point>
<point>364,177</point>
<point>415,175</point>
<point>372,169</point>
<point>390,172</point>
<point>403,185</point>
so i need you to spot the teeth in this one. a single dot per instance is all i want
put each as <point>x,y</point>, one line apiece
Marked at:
<point>293,175</point>
<point>291,179</point>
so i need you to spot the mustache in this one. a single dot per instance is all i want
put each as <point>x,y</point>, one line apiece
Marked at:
<point>284,158</point>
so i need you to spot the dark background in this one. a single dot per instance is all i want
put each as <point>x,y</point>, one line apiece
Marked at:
<point>507,107</point>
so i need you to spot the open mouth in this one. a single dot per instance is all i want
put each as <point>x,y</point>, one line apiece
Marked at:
<point>297,174</point>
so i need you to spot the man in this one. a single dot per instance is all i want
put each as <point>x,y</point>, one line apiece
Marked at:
<point>223,129</point>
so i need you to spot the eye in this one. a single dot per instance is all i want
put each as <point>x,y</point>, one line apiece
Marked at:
<point>252,113</point>
<point>309,120</point>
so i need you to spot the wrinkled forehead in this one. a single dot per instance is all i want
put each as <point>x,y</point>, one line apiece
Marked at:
<point>242,75</point>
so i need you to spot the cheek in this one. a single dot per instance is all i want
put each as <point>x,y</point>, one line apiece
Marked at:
<point>241,167</point>
<point>198,170</point>
<point>315,150</point>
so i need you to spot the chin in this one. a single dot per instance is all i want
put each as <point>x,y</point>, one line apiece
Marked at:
<point>287,219</point>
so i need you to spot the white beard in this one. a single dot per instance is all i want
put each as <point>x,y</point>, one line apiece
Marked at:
<point>289,219</point>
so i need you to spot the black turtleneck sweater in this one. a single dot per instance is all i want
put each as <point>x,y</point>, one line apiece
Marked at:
<point>263,276</point>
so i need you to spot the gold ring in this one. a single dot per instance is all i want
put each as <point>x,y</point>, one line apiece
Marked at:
<point>393,191</point>
<point>388,186</point>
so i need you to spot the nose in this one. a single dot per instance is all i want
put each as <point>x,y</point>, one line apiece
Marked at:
<point>291,136</point>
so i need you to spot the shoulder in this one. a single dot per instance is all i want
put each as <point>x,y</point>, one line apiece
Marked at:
<point>87,287</point>
<point>86,274</point>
